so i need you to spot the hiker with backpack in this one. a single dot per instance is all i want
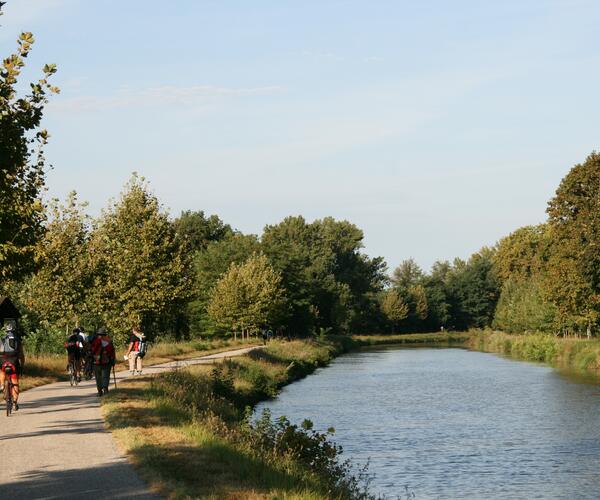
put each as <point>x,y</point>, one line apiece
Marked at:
<point>103,352</point>
<point>11,358</point>
<point>136,350</point>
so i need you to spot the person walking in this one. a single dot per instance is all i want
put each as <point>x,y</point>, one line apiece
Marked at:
<point>135,352</point>
<point>103,352</point>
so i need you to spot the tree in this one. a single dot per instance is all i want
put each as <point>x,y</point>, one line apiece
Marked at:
<point>198,231</point>
<point>331,285</point>
<point>523,253</point>
<point>407,274</point>
<point>141,273</point>
<point>523,307</point>
<point>209,266</point>
<point>436,291</point>
<point>394,307</point>
<point>473,291</point>
<point>574,264</point>
<point>420,301</point>
<point>22,163</point>
<point>57,292</point>
<point>249,296</point>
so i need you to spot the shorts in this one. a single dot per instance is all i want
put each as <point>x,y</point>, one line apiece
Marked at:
<point>75,354</point>
<point>13,369</point>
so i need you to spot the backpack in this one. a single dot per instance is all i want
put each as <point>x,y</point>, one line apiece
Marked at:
<point>142,347</point>
<point>103,350</point>
<point>10,344</point>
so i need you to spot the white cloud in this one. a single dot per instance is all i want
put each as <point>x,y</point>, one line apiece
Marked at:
<point>158,96</point>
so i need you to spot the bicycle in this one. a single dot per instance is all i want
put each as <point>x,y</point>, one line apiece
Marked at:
<point>8,390</point>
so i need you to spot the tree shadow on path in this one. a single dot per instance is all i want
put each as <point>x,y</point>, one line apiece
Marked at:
<point>115,480</point>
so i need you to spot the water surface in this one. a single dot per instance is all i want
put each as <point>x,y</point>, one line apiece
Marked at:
<point>451,423</point>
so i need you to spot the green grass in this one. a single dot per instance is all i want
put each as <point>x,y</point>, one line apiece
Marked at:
<point>572,354</point>
<point>441,338</point>
<point>187,435</point>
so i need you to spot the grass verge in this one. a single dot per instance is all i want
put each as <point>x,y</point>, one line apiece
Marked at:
<point>571,354</point>
<point>437,338</point>
<point>189,435</point>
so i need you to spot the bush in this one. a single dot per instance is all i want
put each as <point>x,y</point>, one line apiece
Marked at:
<point>280,442</point>
<point>39,341</point>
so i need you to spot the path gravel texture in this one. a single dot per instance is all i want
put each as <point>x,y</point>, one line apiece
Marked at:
<point>56,445</point>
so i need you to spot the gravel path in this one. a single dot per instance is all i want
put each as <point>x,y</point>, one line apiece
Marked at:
<point>56,445</point>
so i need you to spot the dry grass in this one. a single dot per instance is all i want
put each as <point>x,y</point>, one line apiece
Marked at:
<point>49,368</point>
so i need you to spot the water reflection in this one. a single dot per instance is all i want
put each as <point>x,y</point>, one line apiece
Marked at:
<point>451,423</point>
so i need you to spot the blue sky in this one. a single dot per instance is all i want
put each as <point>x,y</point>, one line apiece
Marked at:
<point>437,127</point>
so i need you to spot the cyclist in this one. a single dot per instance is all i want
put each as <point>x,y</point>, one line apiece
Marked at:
<point>75,345</point>
<point>11,356</point>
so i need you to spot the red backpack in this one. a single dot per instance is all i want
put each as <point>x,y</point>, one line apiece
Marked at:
<point>103,350</point>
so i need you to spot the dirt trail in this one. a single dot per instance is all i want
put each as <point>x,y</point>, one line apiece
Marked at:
<point>56,445</point>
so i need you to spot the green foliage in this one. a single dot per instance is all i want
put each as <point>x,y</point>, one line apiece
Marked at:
<point>522,307</point>
<point>574,264</point>
<point>209,266</point>
<point>22,174</point>
<point>50,341</point>
<point>523,253</point>
<point>329,282</point>
<point>249,296</point>
<point>394,307</point>
<point>305,447</point>
<point>141,273</point>
<point>57,291</point>
<point>473,291</point>
<point>197,231</point>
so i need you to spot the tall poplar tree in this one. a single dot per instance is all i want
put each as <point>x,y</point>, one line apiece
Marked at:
<point>141,273</point>
<point>58,290</point>
<point>21,163</point>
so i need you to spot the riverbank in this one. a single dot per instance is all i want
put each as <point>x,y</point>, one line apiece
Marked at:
<point>188,433</point>
<point>174,425</point>
<point>438,338</point>
<point>570,354</point>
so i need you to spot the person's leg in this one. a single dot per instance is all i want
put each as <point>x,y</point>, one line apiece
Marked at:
<point>98,377</point>
<point>15,392</point>
<point>138,362</point>
<point>78,366</point>
<point>132,362</point>
<point>106,369</point>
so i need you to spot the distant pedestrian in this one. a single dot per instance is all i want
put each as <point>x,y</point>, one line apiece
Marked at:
<point>136,350</point>
<point>103,352</point>
<point>264,336</point>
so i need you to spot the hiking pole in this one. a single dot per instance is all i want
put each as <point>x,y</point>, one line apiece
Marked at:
<point>115,376</point>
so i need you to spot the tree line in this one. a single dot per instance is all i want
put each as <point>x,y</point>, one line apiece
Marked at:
<point>194,275</point>
<point>543,278</point>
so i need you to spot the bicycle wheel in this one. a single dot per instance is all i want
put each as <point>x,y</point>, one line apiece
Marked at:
<point>8,397</point>
<point>72,377</point>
